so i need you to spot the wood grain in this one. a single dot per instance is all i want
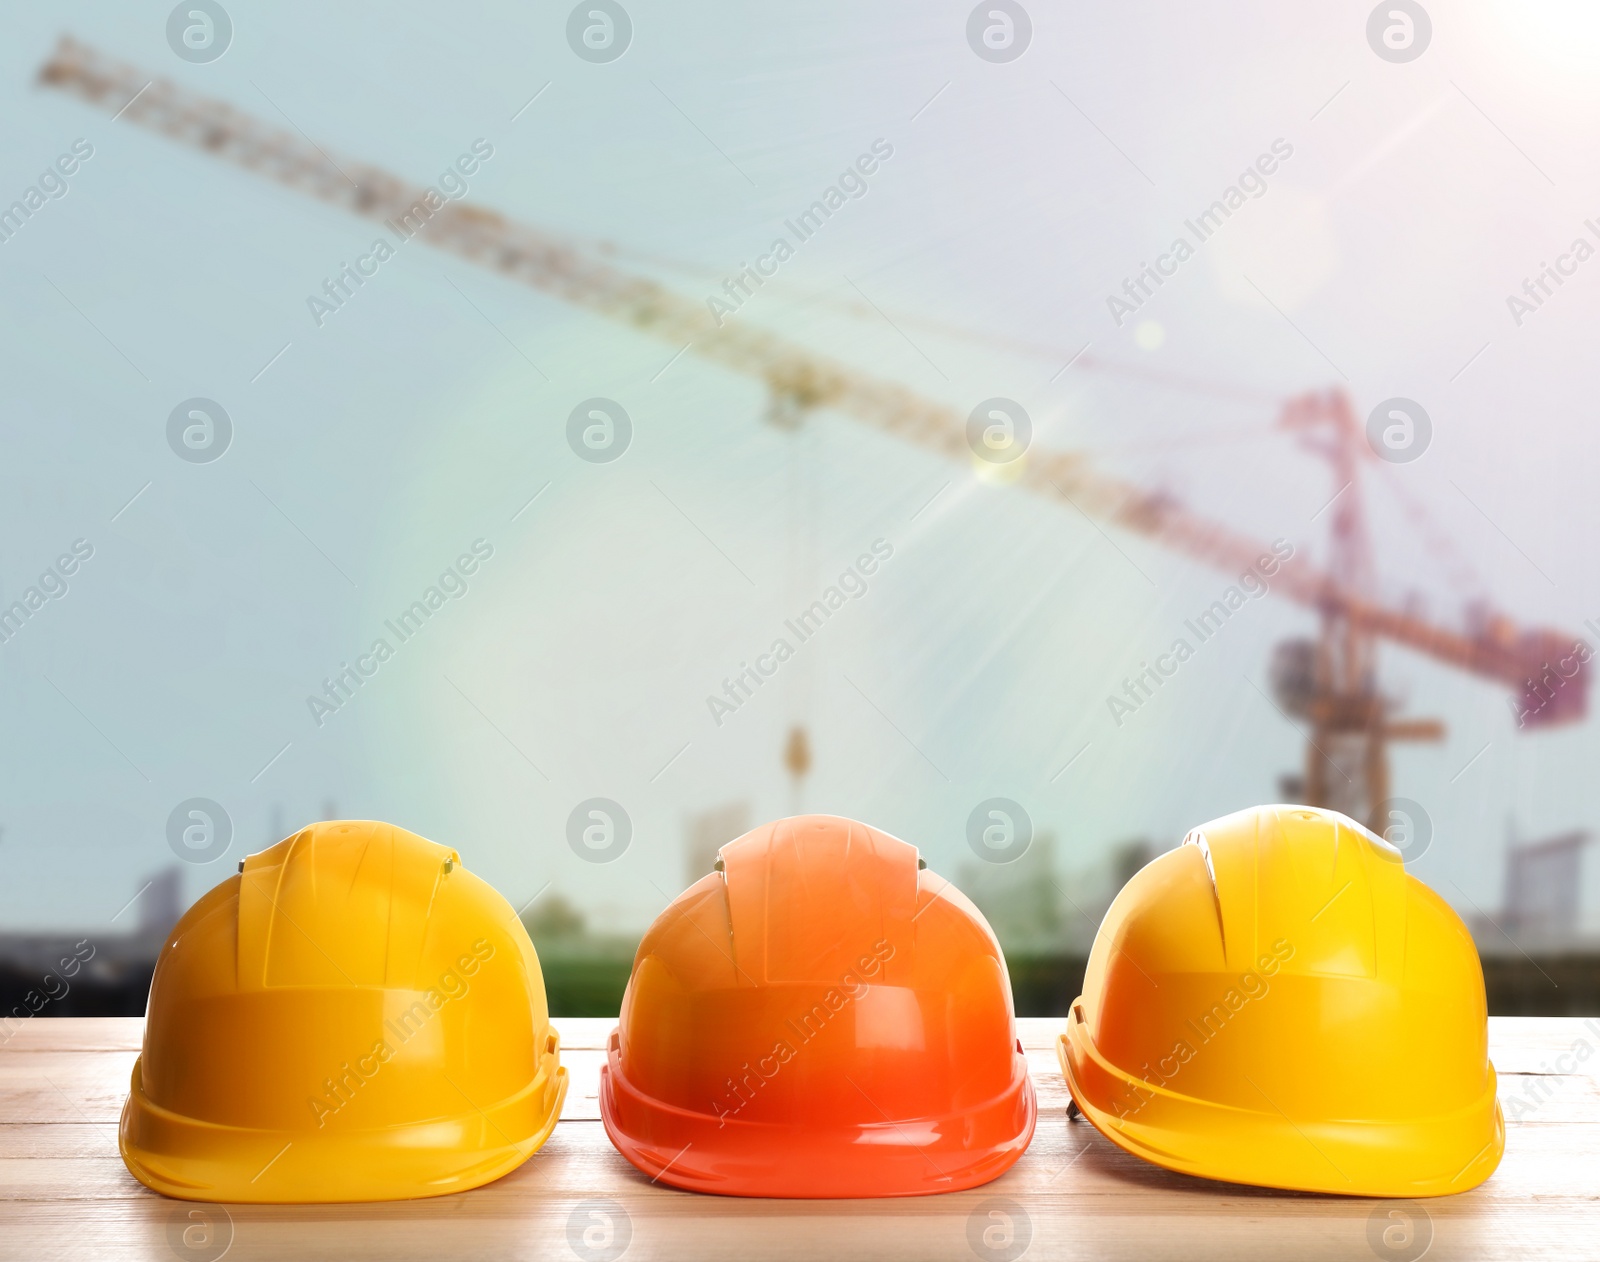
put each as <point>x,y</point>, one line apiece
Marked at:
<point>65,1194</point>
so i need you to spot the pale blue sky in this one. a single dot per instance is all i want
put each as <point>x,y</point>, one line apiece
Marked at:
<point>382,444</point>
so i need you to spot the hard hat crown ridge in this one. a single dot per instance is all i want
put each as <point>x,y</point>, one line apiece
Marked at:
<point>1277,1001</point>
<point>820,1017</point>
<point>354,1016</point>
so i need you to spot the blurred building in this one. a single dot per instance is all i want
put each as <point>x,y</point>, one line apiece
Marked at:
<point>1023,900</point>
<point>1544,884</point>
<point>95,971</point>
<point>1036,909</point>
<point>161,903</point>
<point>707,832</point>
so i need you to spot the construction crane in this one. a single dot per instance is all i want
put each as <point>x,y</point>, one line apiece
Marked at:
<point>1332,682</point>
<point>1329,683</point>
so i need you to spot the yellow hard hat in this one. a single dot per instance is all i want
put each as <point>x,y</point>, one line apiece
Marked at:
<point>1278,1002</point>
<point>353,1017</point>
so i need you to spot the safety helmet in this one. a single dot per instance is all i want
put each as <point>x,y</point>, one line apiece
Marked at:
<point>818,1017</point>
<point>352,1017</point>
<point>1279,1002</point>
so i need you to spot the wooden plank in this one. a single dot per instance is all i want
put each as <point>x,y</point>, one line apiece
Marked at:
<point>64,1086</point>
<point>1508,1036</point>
<point>75,1034</point>
<point>64,1192</point>
<point>1103,1204</point>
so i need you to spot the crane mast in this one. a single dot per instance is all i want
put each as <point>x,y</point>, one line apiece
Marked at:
<point>1332,682</point>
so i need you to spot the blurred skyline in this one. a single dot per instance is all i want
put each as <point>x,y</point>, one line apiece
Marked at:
<point>610,601</point>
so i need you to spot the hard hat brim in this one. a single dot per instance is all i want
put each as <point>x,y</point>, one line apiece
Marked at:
<point>1413,1157</point>
<point>203,1161</point>
<point>700,1152</point>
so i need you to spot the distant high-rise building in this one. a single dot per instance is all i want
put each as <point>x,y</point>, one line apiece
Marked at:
<point>1543,882</point>
<point>1021,900</point>
<point>162,902</point>
<point>1127,857</point>
<point>707,832</point>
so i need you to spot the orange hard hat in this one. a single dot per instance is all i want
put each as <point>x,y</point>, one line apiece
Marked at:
<point>818,1017</point>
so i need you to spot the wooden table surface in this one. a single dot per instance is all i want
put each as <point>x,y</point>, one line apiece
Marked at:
<point>65,1194</point>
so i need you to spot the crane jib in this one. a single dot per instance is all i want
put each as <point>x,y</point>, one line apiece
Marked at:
<point>1546,670</point>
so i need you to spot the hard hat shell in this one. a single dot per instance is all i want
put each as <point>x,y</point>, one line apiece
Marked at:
<point>1279,1002</point>
<point>352,1017</point>
<point>820,1017</point>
